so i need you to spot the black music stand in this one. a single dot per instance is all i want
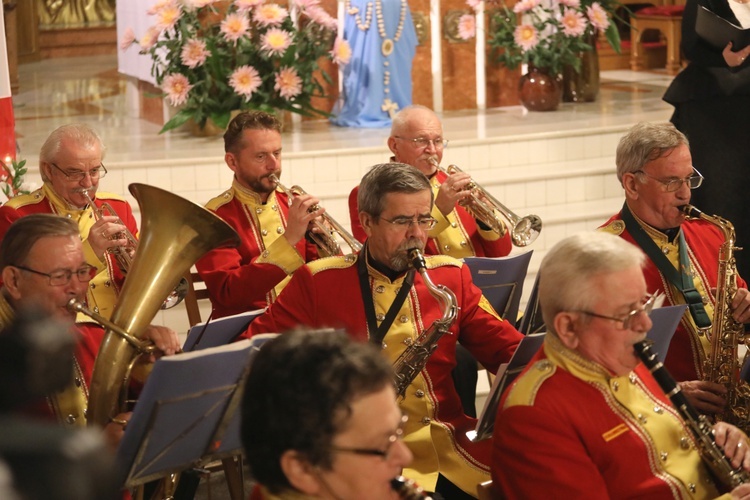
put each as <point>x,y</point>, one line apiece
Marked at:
<point>501,281</point>
<point>665,321</point>
<point>507,373</point>
<point>186,415</point>
<point>532,320</point>
<point>220,331</point>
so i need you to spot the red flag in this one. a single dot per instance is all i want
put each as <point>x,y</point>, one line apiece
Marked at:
<point>7,121</point>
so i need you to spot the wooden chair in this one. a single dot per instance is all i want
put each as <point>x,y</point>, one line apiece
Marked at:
<point>667,19</point>
<point>193,296</point>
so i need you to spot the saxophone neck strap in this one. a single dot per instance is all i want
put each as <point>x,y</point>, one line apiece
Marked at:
<point>377,333</point>
<point>681,279</point>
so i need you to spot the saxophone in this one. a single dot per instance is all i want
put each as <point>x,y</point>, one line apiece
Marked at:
<point>721,366</point>
<point>721,468</point>
<point>415,356</point>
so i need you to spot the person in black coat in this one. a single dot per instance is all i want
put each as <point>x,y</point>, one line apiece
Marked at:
<point>711,97</point>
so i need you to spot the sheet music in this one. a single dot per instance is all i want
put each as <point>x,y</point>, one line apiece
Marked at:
<point>219,331</point>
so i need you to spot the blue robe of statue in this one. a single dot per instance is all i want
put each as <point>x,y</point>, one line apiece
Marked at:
<point>375,78</point>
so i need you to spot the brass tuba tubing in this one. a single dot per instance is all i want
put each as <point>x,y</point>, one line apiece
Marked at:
<point>524,230</point>
<point>323,237</point>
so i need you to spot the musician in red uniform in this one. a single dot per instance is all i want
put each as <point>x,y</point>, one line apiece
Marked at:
<point>374,295</point>
<point>586,419</point>
<point>417,140</point>
<point>655,168</point>
<point>70,162</point>
<point>271,226</point>
<point>43,265</point>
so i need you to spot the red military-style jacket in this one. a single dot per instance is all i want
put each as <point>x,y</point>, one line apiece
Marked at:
<point>327,293</point>
<point>253,274</point>
<point>688,349</point>
<point>456,235</point>
<point>104,288</point>
<point>568,428</point>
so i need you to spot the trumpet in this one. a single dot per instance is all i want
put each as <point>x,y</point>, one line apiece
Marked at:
<point>124,254</point>
<point>484,207</point>
<point>324,237</point>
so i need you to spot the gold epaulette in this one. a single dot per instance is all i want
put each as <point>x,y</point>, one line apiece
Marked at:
<point>615,227</point>
<point>101,195</point>
<point>524,389</point>
<point>221,200</point>
<point>435,261</point>
<point>335,262</point>
<point>32,198</point>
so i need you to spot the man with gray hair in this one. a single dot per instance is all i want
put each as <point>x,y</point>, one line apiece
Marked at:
<point>586,419</point>
<point>375,295</point>
<point>70,162</point>
<point>655,168</point>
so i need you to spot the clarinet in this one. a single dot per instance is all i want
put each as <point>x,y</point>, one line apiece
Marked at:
<point>698,424</point>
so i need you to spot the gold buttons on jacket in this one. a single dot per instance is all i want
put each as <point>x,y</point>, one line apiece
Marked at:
<point>380,289</point>
<point>258,210</point>
<point>407,341</point>
<point>658,409</point>
<point>70,419</point>
<point>264,232</point>
<point>684,443</point>
<point>419,393</point>
<point>380,317</point>
<point>92,285</point>
<point>663,455</point>
<point>275,208</point>
<point>77,381</point>
<point>463,243</point>
<point>107,284</point>
<point>665,250</point>
<point>447,247</point>
<point>404,318</point>
<point>615,385</point>
<point>426,420</point>
<point>266,253</point>
<point>641,418</point>
<point>454,224</point>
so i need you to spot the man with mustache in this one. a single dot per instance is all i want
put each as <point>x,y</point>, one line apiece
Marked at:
<point>271,226</point>
<point>417,140</point>
<point>71,164</point>
<point>375,295</point>
<point>656,170</point>
<point>586,419</point>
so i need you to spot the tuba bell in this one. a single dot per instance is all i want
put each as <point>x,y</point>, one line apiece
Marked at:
<point>485,207</point>
<point>174,234</point>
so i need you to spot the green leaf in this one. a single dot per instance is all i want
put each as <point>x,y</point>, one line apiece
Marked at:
<point>177,120</point>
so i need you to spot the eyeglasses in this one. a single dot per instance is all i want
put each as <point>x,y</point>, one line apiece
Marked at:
<point>399,434</point>
<point>61,278</point>
<point>672,185</point>
<point>627,321</point>
<point>423,142</point>
<point>78,175</point>
<point>405,224</point>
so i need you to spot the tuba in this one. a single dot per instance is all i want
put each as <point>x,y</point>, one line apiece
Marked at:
<point>175,233</point>
<point>124,255</point>
<point>722,366</point>
<point>415,356</point>
<point>324,238</point>
<point>485,207</point>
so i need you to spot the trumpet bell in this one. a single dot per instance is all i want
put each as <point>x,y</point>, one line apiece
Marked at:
<point>526,230</point>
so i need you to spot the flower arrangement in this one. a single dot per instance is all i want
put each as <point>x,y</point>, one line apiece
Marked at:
<point>211,57</point>
<point>546,33</point>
